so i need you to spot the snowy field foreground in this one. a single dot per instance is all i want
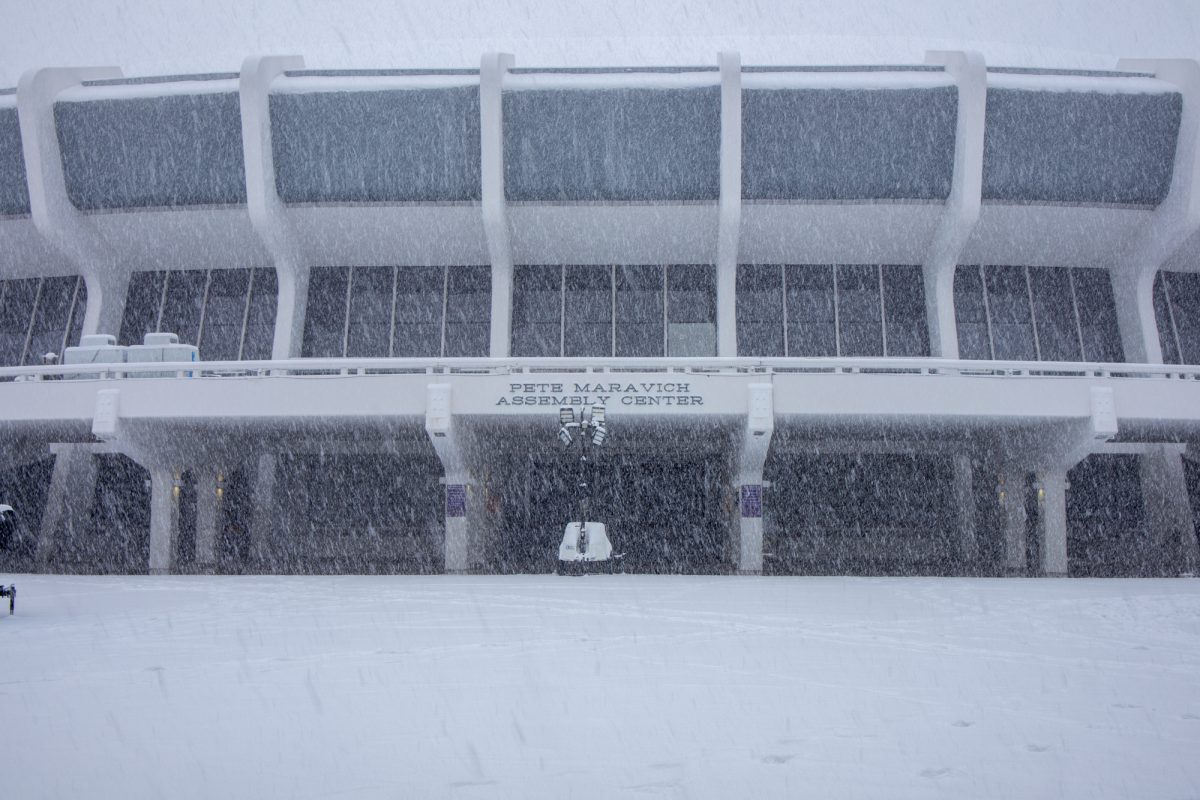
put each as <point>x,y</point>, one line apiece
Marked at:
<point>540,686</point>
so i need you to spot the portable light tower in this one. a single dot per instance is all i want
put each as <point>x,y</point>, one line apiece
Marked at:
<point>585,545</point>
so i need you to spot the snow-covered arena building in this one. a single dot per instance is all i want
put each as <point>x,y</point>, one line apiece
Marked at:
<point>937,318</point>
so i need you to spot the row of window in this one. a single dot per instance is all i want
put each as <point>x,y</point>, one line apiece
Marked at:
<point>629,311</point>
<point>39,316</point>
<point>1003,312</point>
<point>831,310</point>
<point>228,313</point>
<point>1036,314</point>
<point>400,312</point>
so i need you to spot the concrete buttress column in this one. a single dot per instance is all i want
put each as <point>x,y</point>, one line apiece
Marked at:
<point>68,500</point>
<point>730,212</point>
<point>1052,520</point>
<point>461,512</point>
<point>964,201</point>
<point>964,501</point>
<point>267,213</point>
<point>1168,508</point>
<point>1011,494</point>
<point>164,518</point>
<point>494,205</point>
<point>756,441</point>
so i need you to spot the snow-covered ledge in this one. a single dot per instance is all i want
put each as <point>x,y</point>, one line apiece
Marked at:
<point>54,216</point>
<point>492,69</point>
<point>962,206</point>
<point>262,198</point>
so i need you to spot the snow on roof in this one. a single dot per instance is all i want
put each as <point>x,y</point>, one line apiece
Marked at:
<point>148,37</point>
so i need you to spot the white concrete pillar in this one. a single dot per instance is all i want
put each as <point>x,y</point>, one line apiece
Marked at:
<point>264,518</point>
<point>1052,520</point>
<point>68,500</point>
<point>730,212</point>
<point>459,552</point>
<point>1168,508</point>
<point>1011,494</point>
<point>106,295</point>
<point>267,213</point>
<point>964,501</point>
<point>209,479</point>
<point>963,204</point>
<point>164,517</point>
<point>494,204</point>
<point>755,442</point>
<point>1171,224</point>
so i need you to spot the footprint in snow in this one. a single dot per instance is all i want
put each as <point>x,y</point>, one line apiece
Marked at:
<point>935,773</point>
<point>1037,748</point>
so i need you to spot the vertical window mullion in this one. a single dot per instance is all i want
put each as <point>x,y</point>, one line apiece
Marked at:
<point>346,317</point>
<point>837,323</point>
<point>1075,310</point>
<point>882,309</point>
<point>203,307</point>
<point>562,310</point>
<point>70,316</point>
<point>241,350</point>
<point>1166,282</point>
<point>162,302</point>
<point>665,303</point>
<point>612,285</point>
<point>392,319</point>
<point>783,298</point>
<point>445,305</point>
<point>1037,346</point>
<point>37,300</point>
<point>987,312</point>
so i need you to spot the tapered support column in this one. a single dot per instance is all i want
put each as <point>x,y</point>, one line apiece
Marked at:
<point>1052,520</point>
<point>67,512</point>
<point>1011,493</point>
<point>291,307</point>
<point>752,457</point>
<point>459,550</point>
<point>106,295</point>
<point>730,218</point>
<point>494,205</point>
<point>963,204</point>
<point>1168,509</point>
<point>462,512</point>
<point>964,501</point>
<point>209,496</point>
<point>164,518</point>
<point>264,519</point>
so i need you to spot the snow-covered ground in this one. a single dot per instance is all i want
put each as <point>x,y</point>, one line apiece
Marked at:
<point>539,686</point>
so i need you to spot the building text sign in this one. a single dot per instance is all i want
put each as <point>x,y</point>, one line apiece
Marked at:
<point>605,393</point>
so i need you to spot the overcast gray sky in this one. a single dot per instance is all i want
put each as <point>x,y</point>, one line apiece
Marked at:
<point>146,37</point>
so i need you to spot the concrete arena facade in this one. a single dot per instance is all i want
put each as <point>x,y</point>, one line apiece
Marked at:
<point>938,318</point>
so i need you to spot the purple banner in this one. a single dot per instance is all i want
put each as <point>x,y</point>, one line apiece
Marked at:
<point>456,500</point>
<point>752,500</point>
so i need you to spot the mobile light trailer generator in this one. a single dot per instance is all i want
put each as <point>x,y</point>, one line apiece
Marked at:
<point>585,544</point>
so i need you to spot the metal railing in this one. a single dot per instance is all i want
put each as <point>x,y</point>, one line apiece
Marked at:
<point>342,367</point>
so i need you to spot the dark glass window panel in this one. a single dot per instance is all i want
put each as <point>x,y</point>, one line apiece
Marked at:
<point>370,327</point>
<point>469,312</point>
<point>419,308</point>
<point>639,311</point>
<point>77,314</point>
<point>143,302</point>
<point>15,316</point>
<point>1054,314</point>
<point>971,315</point>
<point>183,304</point>
<point>50,318</point>
<point>588,311</point>
<point>259,340</point>
<point>325,318</point>
<point>224,312</point>
<point>760,310</point>
<point>691,310</point>
<point>1098,316</point>
<point>1185,303</point>
<point>904,311</point>
<point>537,311</point>
<point>860,318</point>
<point>1012,319</point>
<point>812,331</point>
